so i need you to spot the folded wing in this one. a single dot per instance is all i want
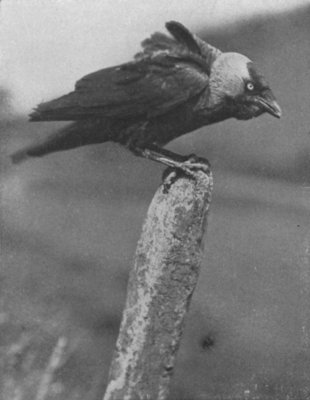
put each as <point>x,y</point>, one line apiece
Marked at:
<point>167,73</point>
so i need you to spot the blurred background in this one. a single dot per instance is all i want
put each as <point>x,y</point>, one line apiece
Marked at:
<point>70,221</point>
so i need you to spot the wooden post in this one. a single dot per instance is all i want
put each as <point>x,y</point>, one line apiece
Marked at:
<point>161,283</point>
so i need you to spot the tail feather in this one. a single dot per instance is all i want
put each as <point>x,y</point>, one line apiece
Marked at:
<point>64,108</point>
<point>72,136</point>
<point>19,156</point>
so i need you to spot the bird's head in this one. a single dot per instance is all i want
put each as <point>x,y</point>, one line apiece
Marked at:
<point>235,83</point>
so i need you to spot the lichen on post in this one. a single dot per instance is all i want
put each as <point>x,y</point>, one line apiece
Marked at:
<point>164,276</point>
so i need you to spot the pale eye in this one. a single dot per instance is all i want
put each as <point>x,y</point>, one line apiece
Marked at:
<point>250,86</point>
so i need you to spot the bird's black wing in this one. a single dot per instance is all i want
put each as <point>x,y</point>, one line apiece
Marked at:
<point>164,75</point>
<point>147,87</point>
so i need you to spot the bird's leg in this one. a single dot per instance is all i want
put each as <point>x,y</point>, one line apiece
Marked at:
<point>187,164</point>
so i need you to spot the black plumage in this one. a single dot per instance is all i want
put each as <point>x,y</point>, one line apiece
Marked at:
<point>174,85</point>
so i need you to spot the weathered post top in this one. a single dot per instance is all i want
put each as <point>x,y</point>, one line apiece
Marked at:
<point>164,276</point>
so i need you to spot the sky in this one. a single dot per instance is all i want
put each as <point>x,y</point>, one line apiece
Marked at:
<point>46,45</point>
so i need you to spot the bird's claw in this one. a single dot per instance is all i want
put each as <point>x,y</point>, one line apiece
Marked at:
<point>194,163</point>
<point>188,168</point>
<point>170,176</point>
<point>178,165</point>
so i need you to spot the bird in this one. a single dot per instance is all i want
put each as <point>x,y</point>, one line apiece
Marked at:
<point>176,84</point>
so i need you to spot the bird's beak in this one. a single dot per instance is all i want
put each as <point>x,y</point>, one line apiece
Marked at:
<point>269,104</point>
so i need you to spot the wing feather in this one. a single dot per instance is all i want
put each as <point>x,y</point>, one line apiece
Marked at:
<point>166,74</point>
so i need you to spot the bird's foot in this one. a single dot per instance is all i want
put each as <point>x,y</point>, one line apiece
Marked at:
<point>178,165</point>
<point>188,168</point>
<point>187,164</point>
<point>193,163</point>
